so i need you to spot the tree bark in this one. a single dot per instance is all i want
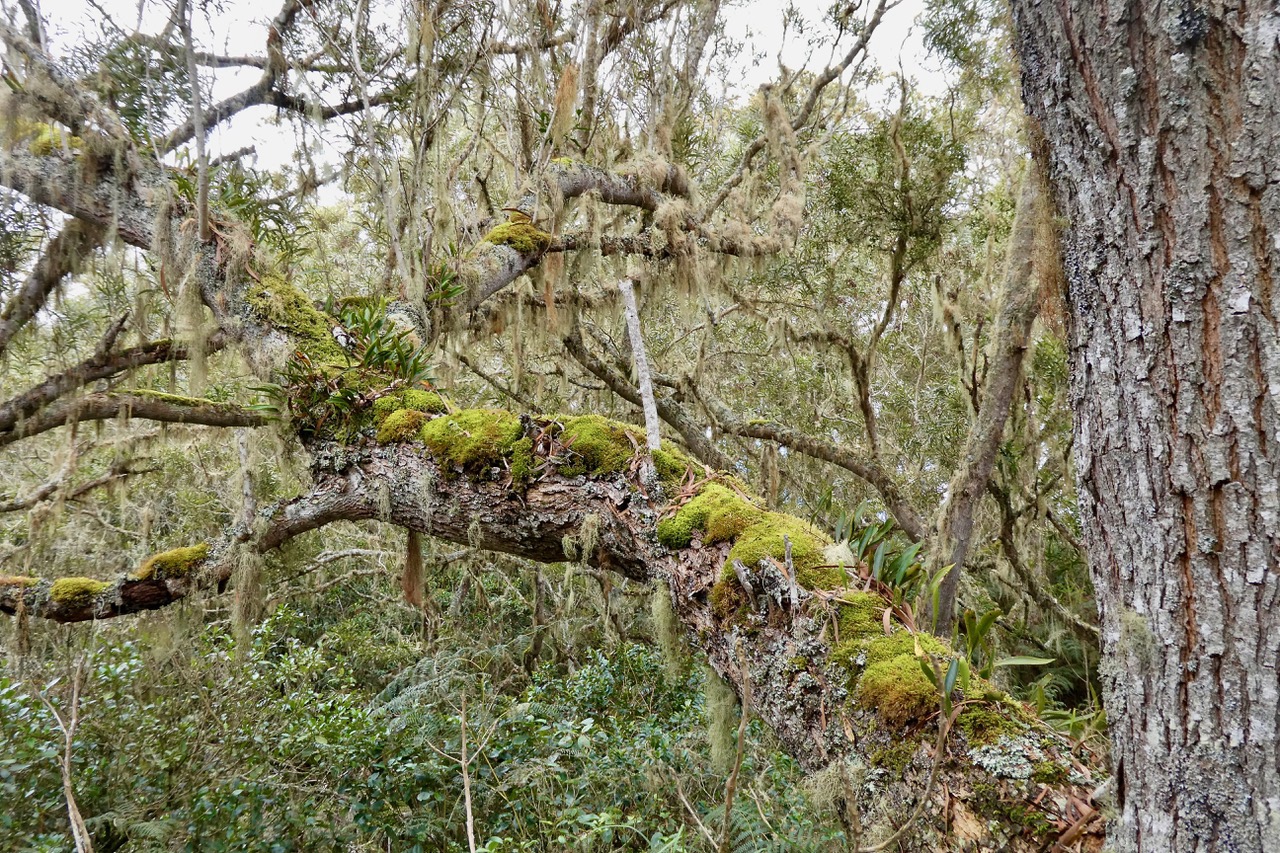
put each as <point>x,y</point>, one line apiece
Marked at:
<point>1162,127</point>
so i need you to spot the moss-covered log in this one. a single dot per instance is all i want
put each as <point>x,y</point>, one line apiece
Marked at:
<point>832,670</point>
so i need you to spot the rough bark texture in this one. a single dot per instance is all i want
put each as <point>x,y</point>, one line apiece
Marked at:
<point>1162,128</point>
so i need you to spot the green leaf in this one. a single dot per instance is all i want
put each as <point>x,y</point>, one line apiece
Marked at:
<point>1023,660</point>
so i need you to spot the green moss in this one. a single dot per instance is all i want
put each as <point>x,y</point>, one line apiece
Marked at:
<point>764,538</point>
<point>285,307</point>
<point>601,446</point>
<point>176,563</point>
<point>522,461</point>
<point>562,161</point>
<point>982,725</point>
<point>413,399</point>
<point>860,614</point>
<point>896,756</point>
<point>898,691</point>
<point>18,580</point>
<point>45,139</point>
<point>525,237</point>
<point>76,592</point>
<point>400,425</point>
<point>1049,773</point>
<point>799,663</point>
<point>727,599</point>
<point>472,438</point>
<point>884,648</point>
<point>718,511</point>
<point>672,466</point>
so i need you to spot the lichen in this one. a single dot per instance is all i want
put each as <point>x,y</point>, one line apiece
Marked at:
<point>472,438</point>
<point>285,307</point>
<point>175,563</point>
<point>898,691</point>
<point>400,425</point>
<point>525,237</point>
<point>76,592</point>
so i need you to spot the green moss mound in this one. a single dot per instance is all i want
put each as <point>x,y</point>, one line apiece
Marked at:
<point>285,307</point>
<point>523,464</point>
<point>983,725</point>
<point>719,512</point>
<point>859,615</point>
<point>673,466</point>
<point>525,237</point>
<point>472,438</point>
<point>401,425</point>
<point>600,446</point>
<point>175,563</point>
<point>764,538</point>
<point>412,399</point>
<point>898,691</point>
<point>76,592</point>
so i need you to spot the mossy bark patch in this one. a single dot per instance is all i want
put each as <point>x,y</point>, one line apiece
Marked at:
<point>401,425</point>
<point>472,438</point>
<point>525,237</point>
<point>175,563</point>
<point>18,580</point>
<point>898,690</point>
<point>76,592</point>
<point>719,512</point>
<point>285,307</point>
<point>599,445</point>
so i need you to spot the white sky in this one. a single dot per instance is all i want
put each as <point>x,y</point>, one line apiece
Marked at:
<point>238,26</point>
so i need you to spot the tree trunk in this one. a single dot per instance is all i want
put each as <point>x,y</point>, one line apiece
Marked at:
<point>1161,127</point>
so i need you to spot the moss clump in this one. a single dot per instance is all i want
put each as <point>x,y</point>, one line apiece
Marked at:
<point>472,438</point>
<point>176,563</point>
<point>76,592</point>
<point>764,538</point>
<point>523,465</point>
<point>859,615</point>
<point>672,466</point>
<point>981,725</point>
<point>525,237</point>
<point>285,307</point>
<point>727,599</point>
<point>896,756</point>
<point>718,511</point>
<point>400,425</point>
<point>599,445</point>
<point>45,139</point>
<point>18,580</point>
<point>1049,773</point>
<point>799,663</point>
<point>423,401</point>
<point>898,691</point>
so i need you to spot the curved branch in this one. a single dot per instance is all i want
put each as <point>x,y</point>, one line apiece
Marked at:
<point>105,406</point>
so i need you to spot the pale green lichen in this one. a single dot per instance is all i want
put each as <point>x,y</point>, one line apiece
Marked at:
<point>525,237</point>
<point>76,592</point>
<point>400,425</point>
<point>175,563</point>
<point>472,438</point>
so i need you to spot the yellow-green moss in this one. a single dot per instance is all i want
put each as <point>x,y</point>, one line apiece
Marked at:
<point>285,307</point>
<point>176,563</point>
<point>413,399</point>
<point>898,691</point>
<point>727,599</point>
<point>895,756</point>
<point>859,615</point>
<point>1049,773</point>
<point>764,538</point>
<point>18,580</point>
<point>719,512</point>
<point>400,425</point>
<point>44,139</point>
<point>522,461</point>
<point>672,466</point>
<point>876,647</point>
<point>598,445</point>
<point>982,725</point>
<point>562,161</point>
<point>76,592</point>
<point>525,237</point>
<point>472,438</point>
